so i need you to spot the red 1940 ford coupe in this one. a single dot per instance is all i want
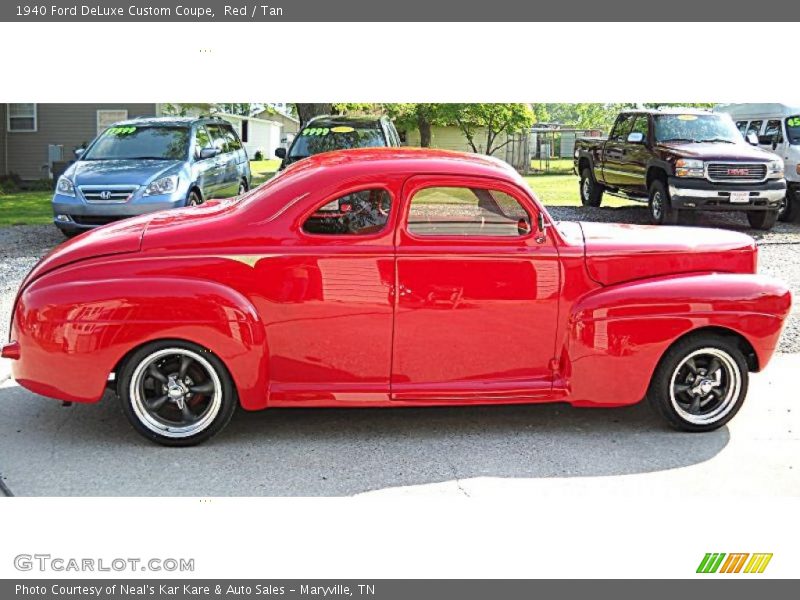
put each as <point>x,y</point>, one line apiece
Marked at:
<point>392,277</point>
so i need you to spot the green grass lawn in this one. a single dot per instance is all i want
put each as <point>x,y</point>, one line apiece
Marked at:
<point>25,208</point>
<point>33,208</point>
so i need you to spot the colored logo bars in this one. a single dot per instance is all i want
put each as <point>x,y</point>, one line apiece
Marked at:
<point>717,562</point>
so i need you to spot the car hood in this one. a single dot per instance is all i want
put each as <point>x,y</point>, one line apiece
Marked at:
<point>718,151</point>
<point>116,238</point>
<point>616,253</point>
<point>114,172</point>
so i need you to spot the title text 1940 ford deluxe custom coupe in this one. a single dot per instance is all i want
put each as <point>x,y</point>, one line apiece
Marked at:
<point>392,277</point>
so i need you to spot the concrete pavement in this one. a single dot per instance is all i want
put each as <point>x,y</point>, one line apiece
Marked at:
<point>479,451</point>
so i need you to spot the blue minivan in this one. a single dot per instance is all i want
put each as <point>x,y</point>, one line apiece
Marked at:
<point>148,164</point>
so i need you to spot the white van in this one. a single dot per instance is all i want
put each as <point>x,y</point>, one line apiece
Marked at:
<point>777,127</point>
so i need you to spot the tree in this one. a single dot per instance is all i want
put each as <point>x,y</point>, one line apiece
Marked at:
<point>491,119</point>
<point>420,116</point>
<point>306,112</point>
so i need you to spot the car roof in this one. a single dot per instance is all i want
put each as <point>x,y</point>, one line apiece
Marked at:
<point>677,110</point>
<point>334,120</point>
<point>410,161</point>
<point>171,121</point>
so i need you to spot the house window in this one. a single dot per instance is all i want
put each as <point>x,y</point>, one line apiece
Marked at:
<point>21,117</point>
<point>245,128</point>
<point>107,117</point>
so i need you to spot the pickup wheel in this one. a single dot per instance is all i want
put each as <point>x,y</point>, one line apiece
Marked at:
<point>591,191</point>
<point>789,211</point>
<point>661,211</point>
<point>762,219</point>
<point>700,383</point>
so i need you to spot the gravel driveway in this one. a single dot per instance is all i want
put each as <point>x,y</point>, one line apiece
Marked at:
<point>779,253</point>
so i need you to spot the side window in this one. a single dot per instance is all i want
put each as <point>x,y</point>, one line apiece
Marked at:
<point>755,127</point>
<point>742,127</point>
<point>201,140</point>
<point>232,142</point>
<point>461,211</point>
<point>639,126</point>
<point>621,128</point>
<point>217,137</point>
<point>359,213</point>
<point>773,132</point>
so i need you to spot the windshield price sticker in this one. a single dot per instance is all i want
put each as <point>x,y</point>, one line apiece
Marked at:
<point>323,131</point>
<point>121,130</point>
<point>687,117</point>
<point>793,121</point>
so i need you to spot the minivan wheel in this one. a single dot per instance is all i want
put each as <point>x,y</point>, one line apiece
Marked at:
<point>660,207</point>
<point>700,383</point>
<point>591,191</point>
<point>176,393</point>
<point>242,187</point>
<point>194,199</point>
<point>762,219</point>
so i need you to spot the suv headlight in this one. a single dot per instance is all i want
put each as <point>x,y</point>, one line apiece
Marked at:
<point>165,185</point>
<point>687,167</point>
<point>65,187</point>
<point>775,169</point>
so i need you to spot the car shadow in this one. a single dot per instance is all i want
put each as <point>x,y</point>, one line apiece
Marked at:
<point>91,449</point>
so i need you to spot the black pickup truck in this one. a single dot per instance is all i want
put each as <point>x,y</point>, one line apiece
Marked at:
<point>681,160</point>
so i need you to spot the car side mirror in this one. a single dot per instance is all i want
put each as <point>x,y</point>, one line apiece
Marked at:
<point>752,138</point>
<point>280,152</point>
<point>208,153</point>
<point>636,137</point>
<point>79,152</point>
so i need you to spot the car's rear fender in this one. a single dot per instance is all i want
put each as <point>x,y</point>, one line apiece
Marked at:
<point>75,333</point>
<point>616,335</point>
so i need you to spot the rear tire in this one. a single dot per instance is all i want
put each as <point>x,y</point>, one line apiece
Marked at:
<point>176,393</point>
<point>591,191</point>
<point>762,219</point>
<point>660,205</point>
<point>790,208</point>
<point>700,383</point>
<point>70,233</point>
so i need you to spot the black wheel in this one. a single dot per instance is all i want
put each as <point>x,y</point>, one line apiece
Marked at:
<point>193,199</point>
<point>789,212</point>
<point>700,383</point>
<point>762,219</point>
<point>591,191</point>
<point>243,187</point>
<point>661,211</point>
<point>176,393</point>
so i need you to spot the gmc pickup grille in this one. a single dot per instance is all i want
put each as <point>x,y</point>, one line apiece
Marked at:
<point>110,193</point>
<point>737,172</point>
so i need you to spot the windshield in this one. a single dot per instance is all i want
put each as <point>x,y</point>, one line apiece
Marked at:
<point>130,142</point>
<point>793,130</point>
<point>696,128</point>
<point>314,140</point>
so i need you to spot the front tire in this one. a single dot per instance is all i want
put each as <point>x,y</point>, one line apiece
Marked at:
<point>176,393</point>
<point>700,383</point>
<point>660,205</point>
<point>789,211</point>
<point>762,219</point>
<point>194,199</point>
<point>591,191</point>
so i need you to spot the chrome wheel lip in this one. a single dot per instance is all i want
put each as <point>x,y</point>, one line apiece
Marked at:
<point>731,395</point>
<point>585,189</point>
<point>156,426</point>
<point>657,205</point>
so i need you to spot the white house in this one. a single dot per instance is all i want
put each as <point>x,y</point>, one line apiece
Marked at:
<point>256,134</point>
